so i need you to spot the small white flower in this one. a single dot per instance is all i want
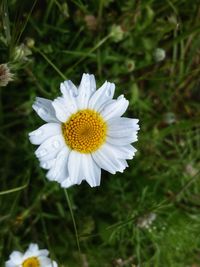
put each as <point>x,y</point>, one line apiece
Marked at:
<point>146,220</point>
<point>84,133</point>
<point>33,257</point>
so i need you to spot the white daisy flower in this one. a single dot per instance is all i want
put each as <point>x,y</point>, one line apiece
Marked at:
<point>84,133</point>
<point>33,257</point>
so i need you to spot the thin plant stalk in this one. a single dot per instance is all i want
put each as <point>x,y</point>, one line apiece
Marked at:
<point>73,220</point>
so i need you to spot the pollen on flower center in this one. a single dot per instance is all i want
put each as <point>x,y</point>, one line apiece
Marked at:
<point>31,262</point>
<point>85,131</point>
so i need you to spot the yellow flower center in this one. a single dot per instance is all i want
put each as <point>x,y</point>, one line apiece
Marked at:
<point>85,131</point>
<point>31,262</point>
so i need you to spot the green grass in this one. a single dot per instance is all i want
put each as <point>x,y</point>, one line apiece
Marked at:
<point>162,179</point>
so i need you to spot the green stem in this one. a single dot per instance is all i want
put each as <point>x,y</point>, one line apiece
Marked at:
<point>73,220</point>
<point>100,43</point>
<point>51,63</point>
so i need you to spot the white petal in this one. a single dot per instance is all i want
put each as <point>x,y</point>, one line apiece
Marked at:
<point>16,257</point>
<point>33,247</point>
<point>90,170</point>
<point>29,254</point>
<point>44,132</point>
<point>44,109</point>
<point>59,171</point>
<point>82,167</point>
<point>118,124</point>
<point>47,164</point>
<point>92,83</point>
<point>69,87</point>
<point>101,96</point>
<point>115,109</point>
<point>121,141</point>
<point>70,93</point>
<point>86,89</point>
<point>122,134</point>
<point>111,101</point>
<point>52,264</point>
<point>122,127</point>
<point>106,158</point>
<point>10,263</point>
<point>50,148</point>
<point>74,167</point>
<point>61,109</point>
<point>122,152</point>
<point>43,252</point>
<point>124,162</point>
<point>44,261</point>
<point>67,183</point>
<point>127,151</point>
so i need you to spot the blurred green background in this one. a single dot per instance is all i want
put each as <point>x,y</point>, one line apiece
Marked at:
<point>150,214</point>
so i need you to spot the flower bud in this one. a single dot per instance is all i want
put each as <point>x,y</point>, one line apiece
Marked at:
<point>5,75</point>
<point>159,54</point>
<point>117,33</point>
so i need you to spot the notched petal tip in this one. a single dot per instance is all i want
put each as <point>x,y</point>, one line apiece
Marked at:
<point>85,90</point>
<point>102,96</point>
<point>67,183</point>
<point>68,88</point>
<point>115,108</point>
<point>43,107</point>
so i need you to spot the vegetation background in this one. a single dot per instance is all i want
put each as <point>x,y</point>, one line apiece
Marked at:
<point>150,214</point>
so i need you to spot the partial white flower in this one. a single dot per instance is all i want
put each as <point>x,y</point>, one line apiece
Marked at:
<point>32,257</point>
<point>84,133</point>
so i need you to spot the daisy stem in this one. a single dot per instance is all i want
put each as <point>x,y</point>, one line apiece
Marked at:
<point>51,63</point>
<point>73,220</point>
